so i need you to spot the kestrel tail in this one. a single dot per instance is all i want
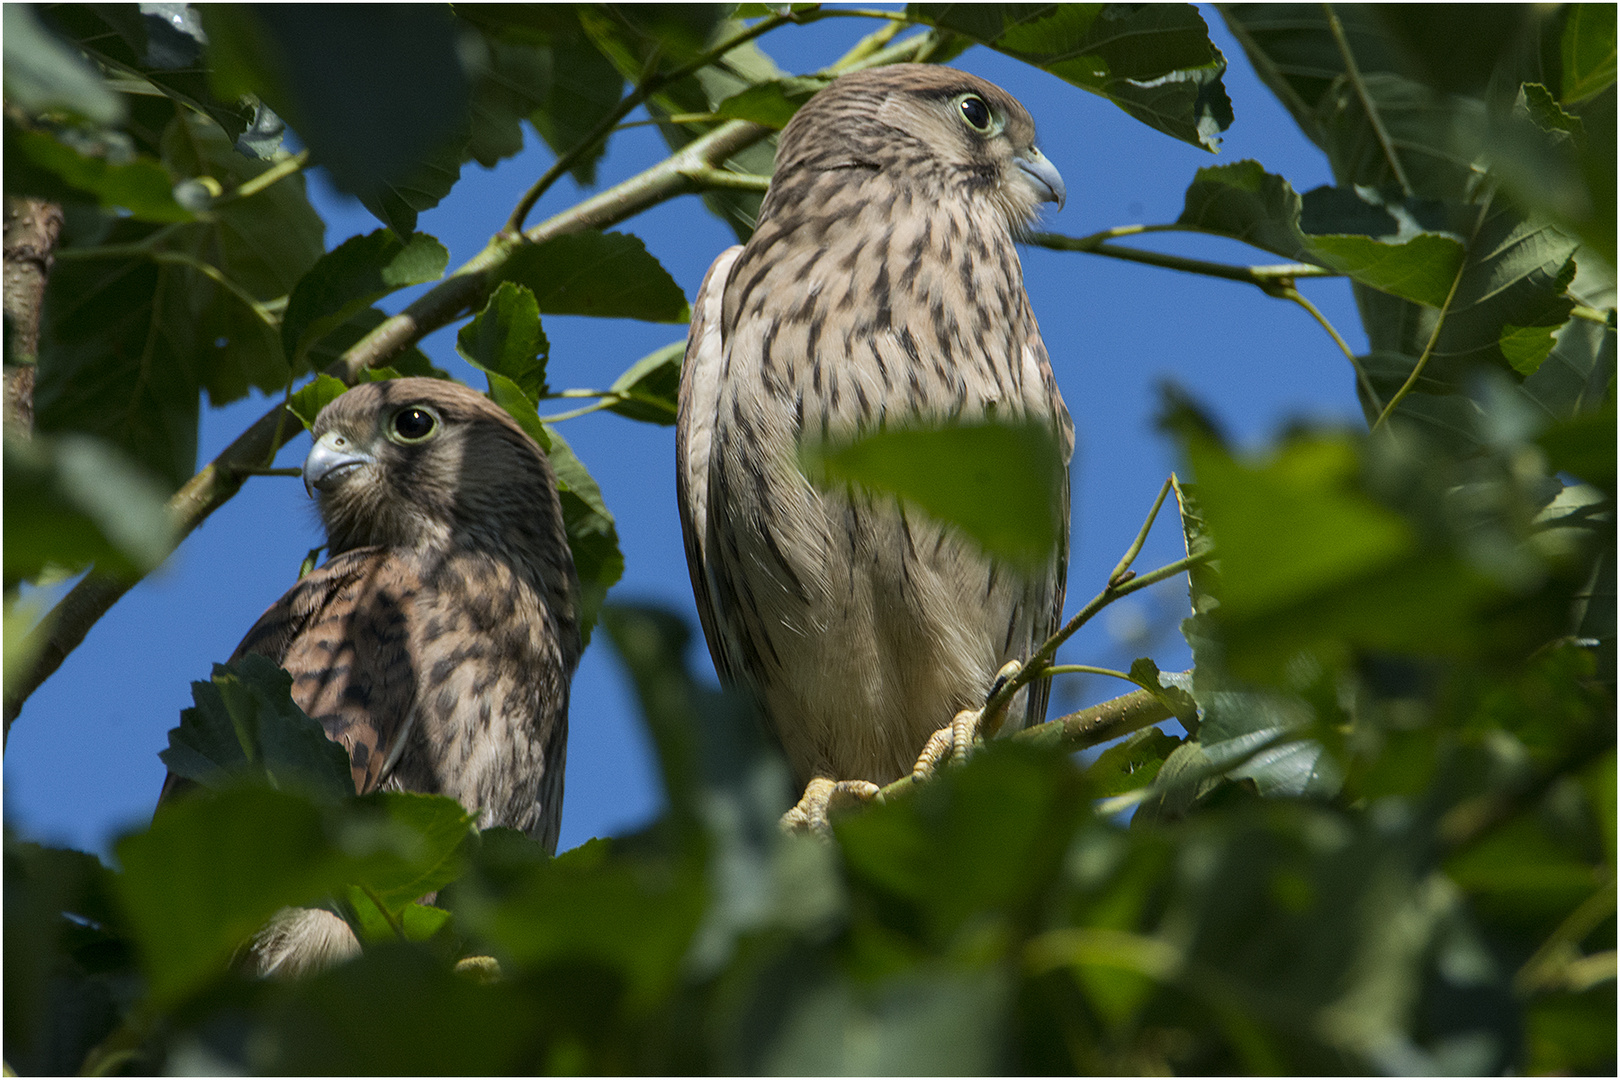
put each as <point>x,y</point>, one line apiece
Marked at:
<point>881,288</point>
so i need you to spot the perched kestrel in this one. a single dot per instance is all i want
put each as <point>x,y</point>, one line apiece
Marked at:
<point>881,288</point>
<point>437,642</point>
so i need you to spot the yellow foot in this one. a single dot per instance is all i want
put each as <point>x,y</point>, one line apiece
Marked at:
<point>821,799</point>
<point>955,740</point>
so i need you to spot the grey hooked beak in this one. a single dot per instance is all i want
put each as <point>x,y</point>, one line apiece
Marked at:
<point>1045,175</point>
<point>331,459</point>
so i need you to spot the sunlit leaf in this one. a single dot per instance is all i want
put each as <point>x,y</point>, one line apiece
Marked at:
<point>998,483</point>
<point>353,276</point>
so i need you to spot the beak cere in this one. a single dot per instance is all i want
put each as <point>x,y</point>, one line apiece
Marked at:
<point>1048,181</point>
<point>332,458</point>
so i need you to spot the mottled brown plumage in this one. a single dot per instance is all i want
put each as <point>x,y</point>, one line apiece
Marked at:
<point>437,642</point>
<point>880,287</point>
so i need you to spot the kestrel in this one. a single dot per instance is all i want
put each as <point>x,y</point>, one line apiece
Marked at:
<point>437,642</point>
<point>881,287</point>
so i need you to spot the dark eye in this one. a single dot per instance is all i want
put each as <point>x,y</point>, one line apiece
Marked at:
<point>414,424</point>
<point>976,113</point>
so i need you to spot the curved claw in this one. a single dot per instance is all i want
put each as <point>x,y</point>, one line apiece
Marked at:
<point>822,798</point>
<point>953,742</point>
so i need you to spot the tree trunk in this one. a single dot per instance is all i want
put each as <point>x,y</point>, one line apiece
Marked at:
<point>32,227</point>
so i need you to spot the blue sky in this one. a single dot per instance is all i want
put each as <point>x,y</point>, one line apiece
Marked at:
<point>81,763</point>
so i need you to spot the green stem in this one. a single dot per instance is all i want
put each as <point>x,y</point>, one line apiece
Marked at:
<point>1124,564</point>
<point>1428,348</point>
<point>1264,277</point>
<point>279,171</point>
<point>1288,292</point>
<point>1592,314</point>
<point>1353,72</point>
<point>1084,669</point>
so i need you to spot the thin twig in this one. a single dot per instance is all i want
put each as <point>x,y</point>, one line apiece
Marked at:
<point>1428,348</point>
<point>1264,277</point>
<point>1084,669</point>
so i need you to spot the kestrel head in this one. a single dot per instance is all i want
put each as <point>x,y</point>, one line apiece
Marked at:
<point>414,462</point>
<point>939,131</point>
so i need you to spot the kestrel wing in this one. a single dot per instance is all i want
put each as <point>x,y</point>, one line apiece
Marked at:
<point>694,432</point>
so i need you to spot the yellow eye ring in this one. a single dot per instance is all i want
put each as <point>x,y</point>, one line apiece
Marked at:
<point>413,424</point>
<point>975,112</point>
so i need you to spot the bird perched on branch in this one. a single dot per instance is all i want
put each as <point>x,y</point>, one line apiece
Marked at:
<point>437,642</point>
<point>881,287</point>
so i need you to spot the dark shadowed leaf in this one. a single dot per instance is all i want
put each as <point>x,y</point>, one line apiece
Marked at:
<point>210,871</point>
<point>608,275</point>
<point>1154,61</point>
<point>374,91</point>
<point>998,483</point>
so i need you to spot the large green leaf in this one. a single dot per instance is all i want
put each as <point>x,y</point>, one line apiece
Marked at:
<point>37,164</point>
<point>353,276</point>
<point>1154,61</point>
<point>608,275</point>
<point>43,75</point>
<point>998,483</point>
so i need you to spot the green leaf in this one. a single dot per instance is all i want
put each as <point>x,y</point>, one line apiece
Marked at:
<point>417,922</point>
<point>396,203</point>
<point>1584,446</point>
<point>74,500</point>
<point>308,400</point>
<point>375,93</point>
<point>1145,673</point>
<point>1588,50</point>
<point>639,40</point>
<point>538,66</point>
<point>1247,203</point>
<point>1131,764</point>
<point>592,535</point>
<point>404,845</point>
<point>506,339</point>
<point>771,104</point>
<point>42,75</point>
<point>608,275</point>
<point>649,387</point>
<point>141,186</point>
<point>353,276</point>
<point>998,483</point>
<point>1156,62</point>
<point>115,362</point>
<point>245,723</point>
<point>209,873</point>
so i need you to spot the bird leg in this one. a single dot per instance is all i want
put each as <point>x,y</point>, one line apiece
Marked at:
<point>821,799</point>
<point>955,740</point>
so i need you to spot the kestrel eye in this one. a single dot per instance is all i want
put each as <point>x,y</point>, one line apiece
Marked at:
<point>976,113</point>
<point>414,424</point>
